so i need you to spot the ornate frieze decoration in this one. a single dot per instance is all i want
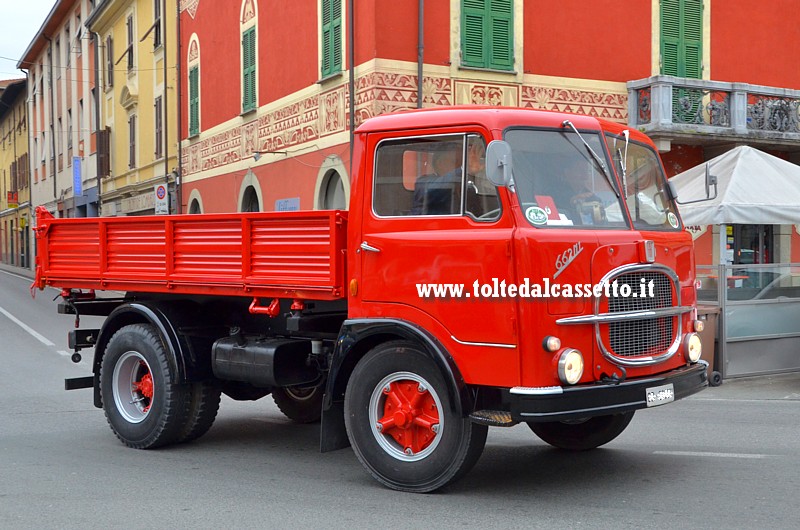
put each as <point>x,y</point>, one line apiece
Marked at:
<point>377,92</point>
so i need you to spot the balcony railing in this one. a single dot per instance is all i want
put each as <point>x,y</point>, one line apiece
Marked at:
<point>666,106</point>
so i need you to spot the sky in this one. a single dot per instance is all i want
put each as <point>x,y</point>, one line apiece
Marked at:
<point>20,21</point>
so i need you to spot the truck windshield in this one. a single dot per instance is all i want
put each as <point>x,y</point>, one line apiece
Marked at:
<point>645,187</point>
<point>559,183</point>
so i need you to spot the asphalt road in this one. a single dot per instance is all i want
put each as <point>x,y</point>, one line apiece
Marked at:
<point>726,458</point>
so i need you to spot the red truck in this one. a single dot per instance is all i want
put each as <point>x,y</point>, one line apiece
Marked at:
<point>496,266</point>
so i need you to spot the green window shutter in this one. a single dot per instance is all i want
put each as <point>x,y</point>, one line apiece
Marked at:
<point>487,34</point>
<point>670,36</point>
<point>249,69</point>
<point>194,101</point>
<point>502,35</point>
<point>693,38</point>
<point>682,38</point>
<point>331,37</point>
<point>473,44</point>
<point>336,35</point>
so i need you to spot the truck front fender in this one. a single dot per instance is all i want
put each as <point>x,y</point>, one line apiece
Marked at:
<point>356,338</point>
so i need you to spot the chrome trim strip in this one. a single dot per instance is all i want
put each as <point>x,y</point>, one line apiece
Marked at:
<point>537,390</point>
<point>489,344</point>
<point>605,318</point>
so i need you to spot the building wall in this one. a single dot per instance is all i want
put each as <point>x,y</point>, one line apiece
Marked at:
<point>15,217</point>
<point>306,119</point>
<point>602,39</point>
<point>60,64</point>
<point>755,43</point>
<point>129,189</point>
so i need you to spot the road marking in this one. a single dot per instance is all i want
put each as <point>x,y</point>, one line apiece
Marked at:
<point>754,456</point>
<point>27,328</point>
<point>17,275</point>
<point>64,353</point>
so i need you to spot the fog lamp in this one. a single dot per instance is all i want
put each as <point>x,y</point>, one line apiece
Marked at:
<point>551,343</point>
<point>693,347</point>
<point>570,366</point>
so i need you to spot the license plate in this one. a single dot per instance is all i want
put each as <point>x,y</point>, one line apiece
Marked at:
<point>659,395</point>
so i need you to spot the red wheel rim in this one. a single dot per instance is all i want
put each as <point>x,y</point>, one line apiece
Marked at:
<point>406,416</point>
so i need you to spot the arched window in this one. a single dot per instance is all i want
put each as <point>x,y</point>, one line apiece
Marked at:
<point>247,20</point>
<point>193,68</point>
<point>250,200</point>
<point>195,207</point>
<point>333,197</point>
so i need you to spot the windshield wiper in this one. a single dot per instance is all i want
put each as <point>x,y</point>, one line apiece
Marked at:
<point>600,163</point>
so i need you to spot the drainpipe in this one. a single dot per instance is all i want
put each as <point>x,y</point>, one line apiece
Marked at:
<point>97,86</point>
<point>420,50</point>
<point>164,113</point>
<point>52,125</point>
<point>179,171</point>
<point>351,57</point>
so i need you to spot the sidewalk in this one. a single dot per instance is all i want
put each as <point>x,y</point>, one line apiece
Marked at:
<point>19,271</point>
<point>783,387</point>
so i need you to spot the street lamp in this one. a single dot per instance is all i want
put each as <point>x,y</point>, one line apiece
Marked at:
<point>257,154</point>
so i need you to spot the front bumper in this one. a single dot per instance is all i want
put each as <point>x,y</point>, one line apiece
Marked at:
<point>585,401</point>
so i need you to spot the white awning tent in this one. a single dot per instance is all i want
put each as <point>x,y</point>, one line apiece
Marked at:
<point>753,188</point>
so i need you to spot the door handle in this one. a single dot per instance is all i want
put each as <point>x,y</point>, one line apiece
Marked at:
<point>369,248</point>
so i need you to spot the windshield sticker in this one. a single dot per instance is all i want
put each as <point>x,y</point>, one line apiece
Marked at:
<point>536,215</point>
<point>673,220</point>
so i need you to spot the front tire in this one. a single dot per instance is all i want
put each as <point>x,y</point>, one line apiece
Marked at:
<point>401,422</point>
<point>583,435</point>
<point>143,407</point>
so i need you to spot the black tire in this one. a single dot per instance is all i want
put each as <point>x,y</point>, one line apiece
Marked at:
<point>584,435</point>
<point>715,379</point>
<point>301,404</point>
<point>141,421</point>
<point>203,406</point>
<point>444,453</point>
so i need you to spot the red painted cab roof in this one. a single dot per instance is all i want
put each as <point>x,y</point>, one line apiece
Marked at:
<point>498,118</point>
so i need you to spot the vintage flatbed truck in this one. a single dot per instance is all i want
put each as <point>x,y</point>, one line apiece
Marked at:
<point>411,322</point>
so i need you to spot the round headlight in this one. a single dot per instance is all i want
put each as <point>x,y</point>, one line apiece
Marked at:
<point>693,347</point>
<point>570,366</point>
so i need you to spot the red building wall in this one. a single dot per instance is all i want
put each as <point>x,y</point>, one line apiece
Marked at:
<point>602,39</point>
<point>756,42</point>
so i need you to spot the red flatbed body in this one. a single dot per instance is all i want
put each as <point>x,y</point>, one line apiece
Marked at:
<point>265,254</point>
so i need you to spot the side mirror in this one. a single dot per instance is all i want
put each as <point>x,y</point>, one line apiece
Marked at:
<point>711,180</point>
<point>498,163</point>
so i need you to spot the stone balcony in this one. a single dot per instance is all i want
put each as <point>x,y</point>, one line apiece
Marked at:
<point>714,113</point>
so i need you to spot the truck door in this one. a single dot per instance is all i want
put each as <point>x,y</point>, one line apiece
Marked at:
<point>433,230</point>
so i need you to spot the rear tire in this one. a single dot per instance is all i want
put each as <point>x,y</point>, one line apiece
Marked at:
<point>204,400</point>
<point>584,435</point>
<point>301,404</point>
<point>422,444</point>
<point>143,407</point>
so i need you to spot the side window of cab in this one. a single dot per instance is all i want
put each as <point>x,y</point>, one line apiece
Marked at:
<point>434,176</point>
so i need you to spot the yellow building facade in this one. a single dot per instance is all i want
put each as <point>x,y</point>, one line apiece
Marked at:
<point>138,102</point>
<point>15,191</point>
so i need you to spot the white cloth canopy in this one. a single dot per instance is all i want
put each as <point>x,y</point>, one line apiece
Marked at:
<point>753,188</point>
